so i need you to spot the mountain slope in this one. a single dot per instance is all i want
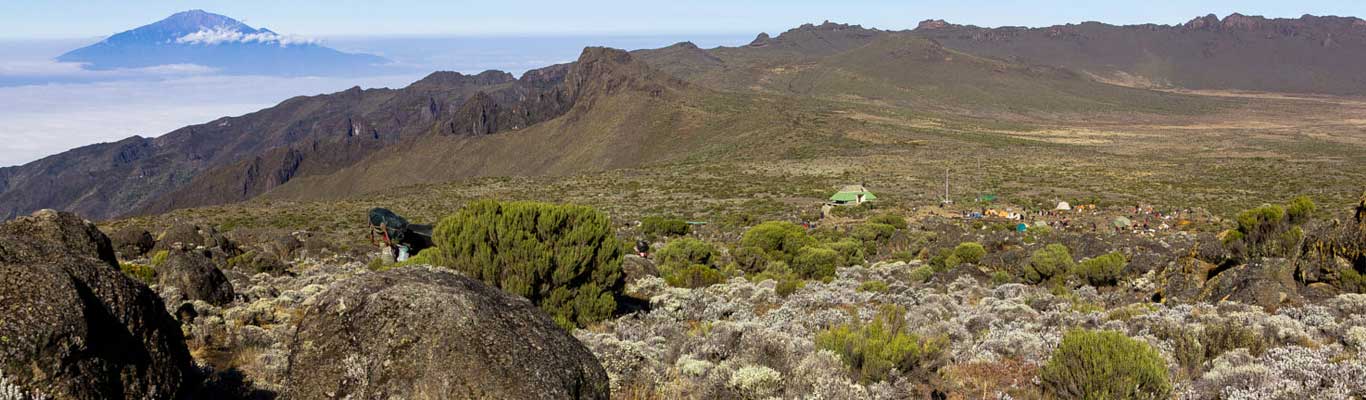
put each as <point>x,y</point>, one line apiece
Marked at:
<point>1308,55</point>
<point>211,40</point>
<point>110,179</point>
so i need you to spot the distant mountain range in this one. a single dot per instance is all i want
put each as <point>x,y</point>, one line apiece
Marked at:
<point>229,46</point>
<point>617,109</point>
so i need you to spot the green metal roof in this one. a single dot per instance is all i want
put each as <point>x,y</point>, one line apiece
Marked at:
<point>852,196</point>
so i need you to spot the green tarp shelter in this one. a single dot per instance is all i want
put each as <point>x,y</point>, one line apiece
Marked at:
<point>852,194</point>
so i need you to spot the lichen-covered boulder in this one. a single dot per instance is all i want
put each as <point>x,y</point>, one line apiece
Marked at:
<point>418,332</point>
<point>130,243</point>
<point>196,276</point>
<point>72,326</point>
<point>194,236</point>
<point>1268,283</point>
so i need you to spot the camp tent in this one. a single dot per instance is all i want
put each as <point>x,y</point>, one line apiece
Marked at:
<point>852,195</point>
<point>1063,206</point>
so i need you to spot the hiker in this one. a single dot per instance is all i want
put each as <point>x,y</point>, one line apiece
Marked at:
<point>399,237</point>
<point>643,248</point>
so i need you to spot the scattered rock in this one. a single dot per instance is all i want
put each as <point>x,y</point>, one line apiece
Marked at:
<point>196,276</point>
<point>427,333</point>
<point>74,327</point>
<point>131,243</point>
<point>194,236</point>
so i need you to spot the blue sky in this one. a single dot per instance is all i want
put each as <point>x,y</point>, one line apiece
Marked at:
<point>87,18</point>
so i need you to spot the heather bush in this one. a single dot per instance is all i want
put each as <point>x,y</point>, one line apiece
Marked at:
<point>143,273</point>
<point>778,240</point>
<point>895,221</point>
<point>1101,270</point>
<point>159,257</point>
<point>873,286</point>
<point>813,262</point>
<point>689,262</point>
<point>969,252</point>
<point>1105,365</point>
<point>873,350</point>
<point>564,258</point>
<point>656,227</point>
<point>1048,262</point>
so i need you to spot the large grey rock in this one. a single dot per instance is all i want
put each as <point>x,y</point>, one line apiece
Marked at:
<point>72,326</point>
<point>1268,283</point>
<point>196,276</point>
<point>194,236</point>
<point>418,333</point>
<point>132,243</point>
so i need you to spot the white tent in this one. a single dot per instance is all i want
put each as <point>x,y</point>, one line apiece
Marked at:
<point>1063,206</point>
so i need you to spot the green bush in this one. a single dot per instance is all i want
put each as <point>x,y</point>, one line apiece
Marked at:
<point>922,273</point>
<point>1048,262</point>
<point>1300,209</point>
<point>873,286</point>
<point>1104,365</point>
<point>999,278</point>
<point>564,258</point>
<point>692,276</point>
<point>143,273</point>
<point>875,349</point>
<point>787,287</point>
<point>970,252</point>
<point>850,250</point>
<point>895,221</point>
<point>159,257</point>
<point>1102,270</point>
<point>873,232</point>
<point>689,263</point>
<point>778,240</point>
<point>814,262</point>
<point>655,227</point>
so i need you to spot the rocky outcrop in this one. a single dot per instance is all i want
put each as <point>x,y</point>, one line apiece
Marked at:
<point>130,243</point>
<point>1268,283</point>
<point>426,333</point>
<point>74,327</point>
<point>194,274</point>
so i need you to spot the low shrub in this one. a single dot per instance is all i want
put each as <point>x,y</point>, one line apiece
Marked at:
<point>814,262</point>
<point>895,221</point>
<point>159,257</point>
<point>921,273</point>
<point>564,258</point>
<point>1101,270</point>
<point>1051,261</point>
<point>970,252</point>
<point>875,349</point>
<point>685,252</point>
<point>1105,365</point>
<point>873,286</point>
<point>656,227</point>
<point>146,274</point>
<point>778,240</point>
<point>692,276</point>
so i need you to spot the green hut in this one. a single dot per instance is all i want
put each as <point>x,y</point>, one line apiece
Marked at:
<point>852,195</point>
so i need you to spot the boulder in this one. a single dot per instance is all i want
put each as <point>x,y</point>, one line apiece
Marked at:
<point>418,332</point>
<point>193,236</point>
<point>74,327</point>
<point>1268,283</point>
<point>1183,280</point>
<point>131,243</point>
<point>193,272</point>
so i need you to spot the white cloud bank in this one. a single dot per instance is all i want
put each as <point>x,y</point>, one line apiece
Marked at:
<point>221,35</point>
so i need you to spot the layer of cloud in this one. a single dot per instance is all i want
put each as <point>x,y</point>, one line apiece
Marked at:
<point>221,35</point>
<point>42,120</point>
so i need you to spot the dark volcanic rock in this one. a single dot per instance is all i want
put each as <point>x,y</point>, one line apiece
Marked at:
<point>193,272</point>
<point>1268,283</point>
<point>425,333</point>
<point>193,236</point>
<point>130,243</point>
<point>73,326</point>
